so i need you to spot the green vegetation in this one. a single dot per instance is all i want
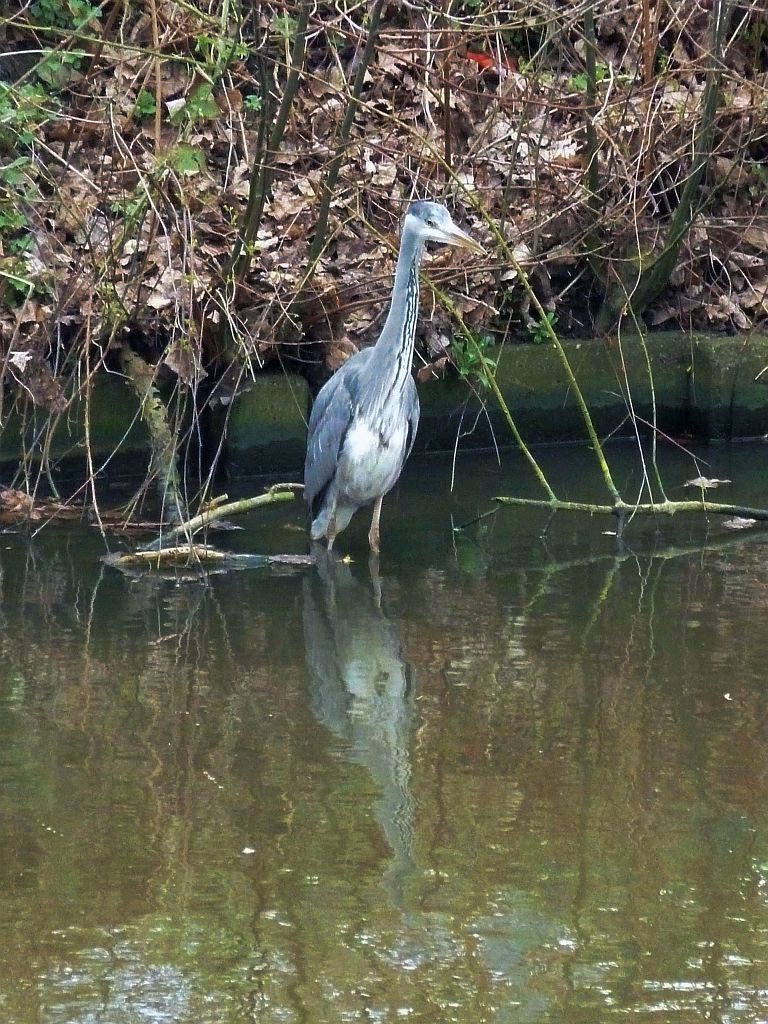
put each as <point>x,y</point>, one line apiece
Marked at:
<point>145,104</point>
<point>539,333</point>
<point>472,359</point>
<point>49,15</point>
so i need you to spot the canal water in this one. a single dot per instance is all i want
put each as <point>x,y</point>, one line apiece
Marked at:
<point>512,777</point>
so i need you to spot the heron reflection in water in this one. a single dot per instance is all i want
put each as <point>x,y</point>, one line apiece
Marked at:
<point>361,691</point>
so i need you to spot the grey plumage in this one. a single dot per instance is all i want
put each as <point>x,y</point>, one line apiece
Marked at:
<point>334,481</point>
<point>364,420</point>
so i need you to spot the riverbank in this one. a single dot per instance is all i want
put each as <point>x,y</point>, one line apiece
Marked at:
<point>707,388</point>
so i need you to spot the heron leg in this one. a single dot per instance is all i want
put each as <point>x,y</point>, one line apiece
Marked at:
<point>373,533</point>
<point>331,529</point>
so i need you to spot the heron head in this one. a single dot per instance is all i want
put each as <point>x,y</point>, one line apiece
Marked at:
<point>433,223</point>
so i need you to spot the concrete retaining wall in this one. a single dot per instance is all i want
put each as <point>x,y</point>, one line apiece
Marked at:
<point>705,387</point>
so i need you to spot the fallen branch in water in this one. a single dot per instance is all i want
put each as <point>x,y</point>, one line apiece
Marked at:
<point>277,493</point>
<point>183,554</point>
<point>622,509</point>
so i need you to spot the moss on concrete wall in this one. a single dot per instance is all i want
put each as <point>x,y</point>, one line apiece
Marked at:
<point>707,387</point>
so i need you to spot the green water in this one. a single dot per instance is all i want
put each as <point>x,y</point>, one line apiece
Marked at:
<point>528,784</point>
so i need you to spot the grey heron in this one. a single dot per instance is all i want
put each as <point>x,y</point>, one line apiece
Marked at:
<point>363,422</point>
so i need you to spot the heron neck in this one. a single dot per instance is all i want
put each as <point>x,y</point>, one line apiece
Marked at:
<point>397,336</point>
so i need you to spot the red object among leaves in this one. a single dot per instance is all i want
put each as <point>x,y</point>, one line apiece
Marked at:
<point>486,62</point>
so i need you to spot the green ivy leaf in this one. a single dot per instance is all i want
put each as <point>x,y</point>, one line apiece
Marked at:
<point>186,159</point>
<point>200,106</point>
<point>145,104</point>
<point>57,71</point>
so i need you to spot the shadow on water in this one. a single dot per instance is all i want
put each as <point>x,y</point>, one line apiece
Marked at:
<point>508,780</point>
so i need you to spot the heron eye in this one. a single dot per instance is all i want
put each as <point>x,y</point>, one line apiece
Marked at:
<point>431,224</point>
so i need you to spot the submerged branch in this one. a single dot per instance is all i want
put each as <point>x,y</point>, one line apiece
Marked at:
<point>184,555</point>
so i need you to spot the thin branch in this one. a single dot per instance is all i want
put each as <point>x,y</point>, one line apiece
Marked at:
<point>490,377</point>
<point>331,177</point>
<point>655,508</point>
<point>163,440</point>
<point>653,279</point>
<point>590,49</point>
<point>201,555</point>
<point>263,171</point>
<point>275,495</point>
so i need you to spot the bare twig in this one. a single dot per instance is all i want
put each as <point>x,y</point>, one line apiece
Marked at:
<point>263,170</point>
<point>275,495</point>
<point>332,174</point>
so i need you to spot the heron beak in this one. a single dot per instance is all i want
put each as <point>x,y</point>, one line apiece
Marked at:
<point>455,236</point>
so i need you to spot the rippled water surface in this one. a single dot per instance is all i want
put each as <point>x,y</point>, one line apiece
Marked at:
<point>513,779</point>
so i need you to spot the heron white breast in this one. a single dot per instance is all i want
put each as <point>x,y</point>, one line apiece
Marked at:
<point>361,442</point>
<point>370,462</point>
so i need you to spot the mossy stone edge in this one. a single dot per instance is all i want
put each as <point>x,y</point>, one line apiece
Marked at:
<point>704,387</point>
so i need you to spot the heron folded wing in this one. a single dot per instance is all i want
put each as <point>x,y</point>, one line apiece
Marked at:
<point>412,411</point>
<point>331,416</point>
